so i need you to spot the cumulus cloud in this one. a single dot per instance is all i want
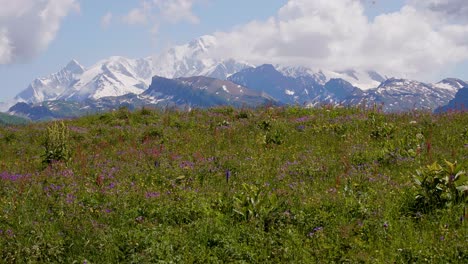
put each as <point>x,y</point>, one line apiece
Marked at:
<point>338,35</point>
<point>172,11</point>
<point>28,26</point>
<point>6,49</point>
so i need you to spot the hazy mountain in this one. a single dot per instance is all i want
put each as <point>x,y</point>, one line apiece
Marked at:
<point>399,95</point>
<point>458,103</point>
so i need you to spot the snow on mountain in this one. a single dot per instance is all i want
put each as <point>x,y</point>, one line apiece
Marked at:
<point>365,80</point>
<point>452,84</point>
<point>115,76</point>
<point>118,76</point>
<point>402,95</point>
<point>202,91</point>
<point>458,103</point>
<point>192,60</point>
<point>52,86</point>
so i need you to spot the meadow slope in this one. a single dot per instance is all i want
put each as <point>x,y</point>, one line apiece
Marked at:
<point>270,185</point>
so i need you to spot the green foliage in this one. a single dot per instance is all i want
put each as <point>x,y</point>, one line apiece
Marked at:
<point>440,187</point>
<point>384,130</point>
<point>464,136</point>
<point>275,137</point>
<point>227,185</point>
<point>254,202</point>
<point>56,144</point>
<point>6,119</point>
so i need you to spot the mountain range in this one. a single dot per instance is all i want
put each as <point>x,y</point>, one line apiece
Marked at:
<point>186,76</point>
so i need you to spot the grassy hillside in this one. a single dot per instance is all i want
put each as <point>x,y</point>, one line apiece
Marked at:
<point>6,119</point>
<point>278,185</point>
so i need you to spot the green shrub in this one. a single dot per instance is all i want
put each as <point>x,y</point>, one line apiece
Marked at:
<point>56,144</point>
<point>440,187</point>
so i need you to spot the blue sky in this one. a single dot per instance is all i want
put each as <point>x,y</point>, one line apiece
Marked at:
<point>80,32</point>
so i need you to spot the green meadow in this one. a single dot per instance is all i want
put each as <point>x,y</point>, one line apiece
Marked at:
<point>228,185</point>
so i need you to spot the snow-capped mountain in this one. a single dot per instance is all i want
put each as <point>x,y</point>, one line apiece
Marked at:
<point>111,77</point>
<point>114,76</point>
<point>52,86</point>
<point>188,92</point>
<point>192,60</point>
<point>301,85</point>
<point>458,103</point>
<point>363,79</point>
<point>201,91</point>
<point>295,85</point>
<point>399,95</point>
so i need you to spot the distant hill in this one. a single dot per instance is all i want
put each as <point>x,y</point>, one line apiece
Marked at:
<point>459,103</point>
<point>6,119</point>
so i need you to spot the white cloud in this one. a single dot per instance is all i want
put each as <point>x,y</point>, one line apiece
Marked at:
<point>176,11</point>
<point>28,26</point>
<point>136,16</point>
<point>6,49</point>
<point>106,20</point>
<point>337,34</point>
<point>160,11</point>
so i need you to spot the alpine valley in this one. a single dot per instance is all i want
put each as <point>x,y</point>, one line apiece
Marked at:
<point>186,76</point>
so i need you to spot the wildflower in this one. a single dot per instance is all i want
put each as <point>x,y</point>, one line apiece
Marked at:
<point>9,233</point>
<point>315,230</point>
<point>150,195</point>
<point>139,219</point>
<point>385,225</point>
<point>300,128</point>
<point>186,165</point>
<point>228,175</point>
<point>70,198</point>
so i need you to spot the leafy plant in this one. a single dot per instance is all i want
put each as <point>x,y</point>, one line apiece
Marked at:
<point>274,137</point>
<point>254,203</point>
<point>56,144</point>
<point>440,187</point>
<point>465,136</point>
<point>384,130</point>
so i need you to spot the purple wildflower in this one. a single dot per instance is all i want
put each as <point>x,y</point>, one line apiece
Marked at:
<point>13,177</point>
<point>150,195</point>
<point>228,175</point>
<point>111,185</point>
<point>302,119</point>
<point>315,230</point>
<point>70,198</point>
<point>300,128</point>
<point>186,165</point>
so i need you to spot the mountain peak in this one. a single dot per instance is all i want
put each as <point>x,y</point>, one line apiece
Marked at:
<point>75,67</point>
<point>204,42</point>
<point>451,84</point>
